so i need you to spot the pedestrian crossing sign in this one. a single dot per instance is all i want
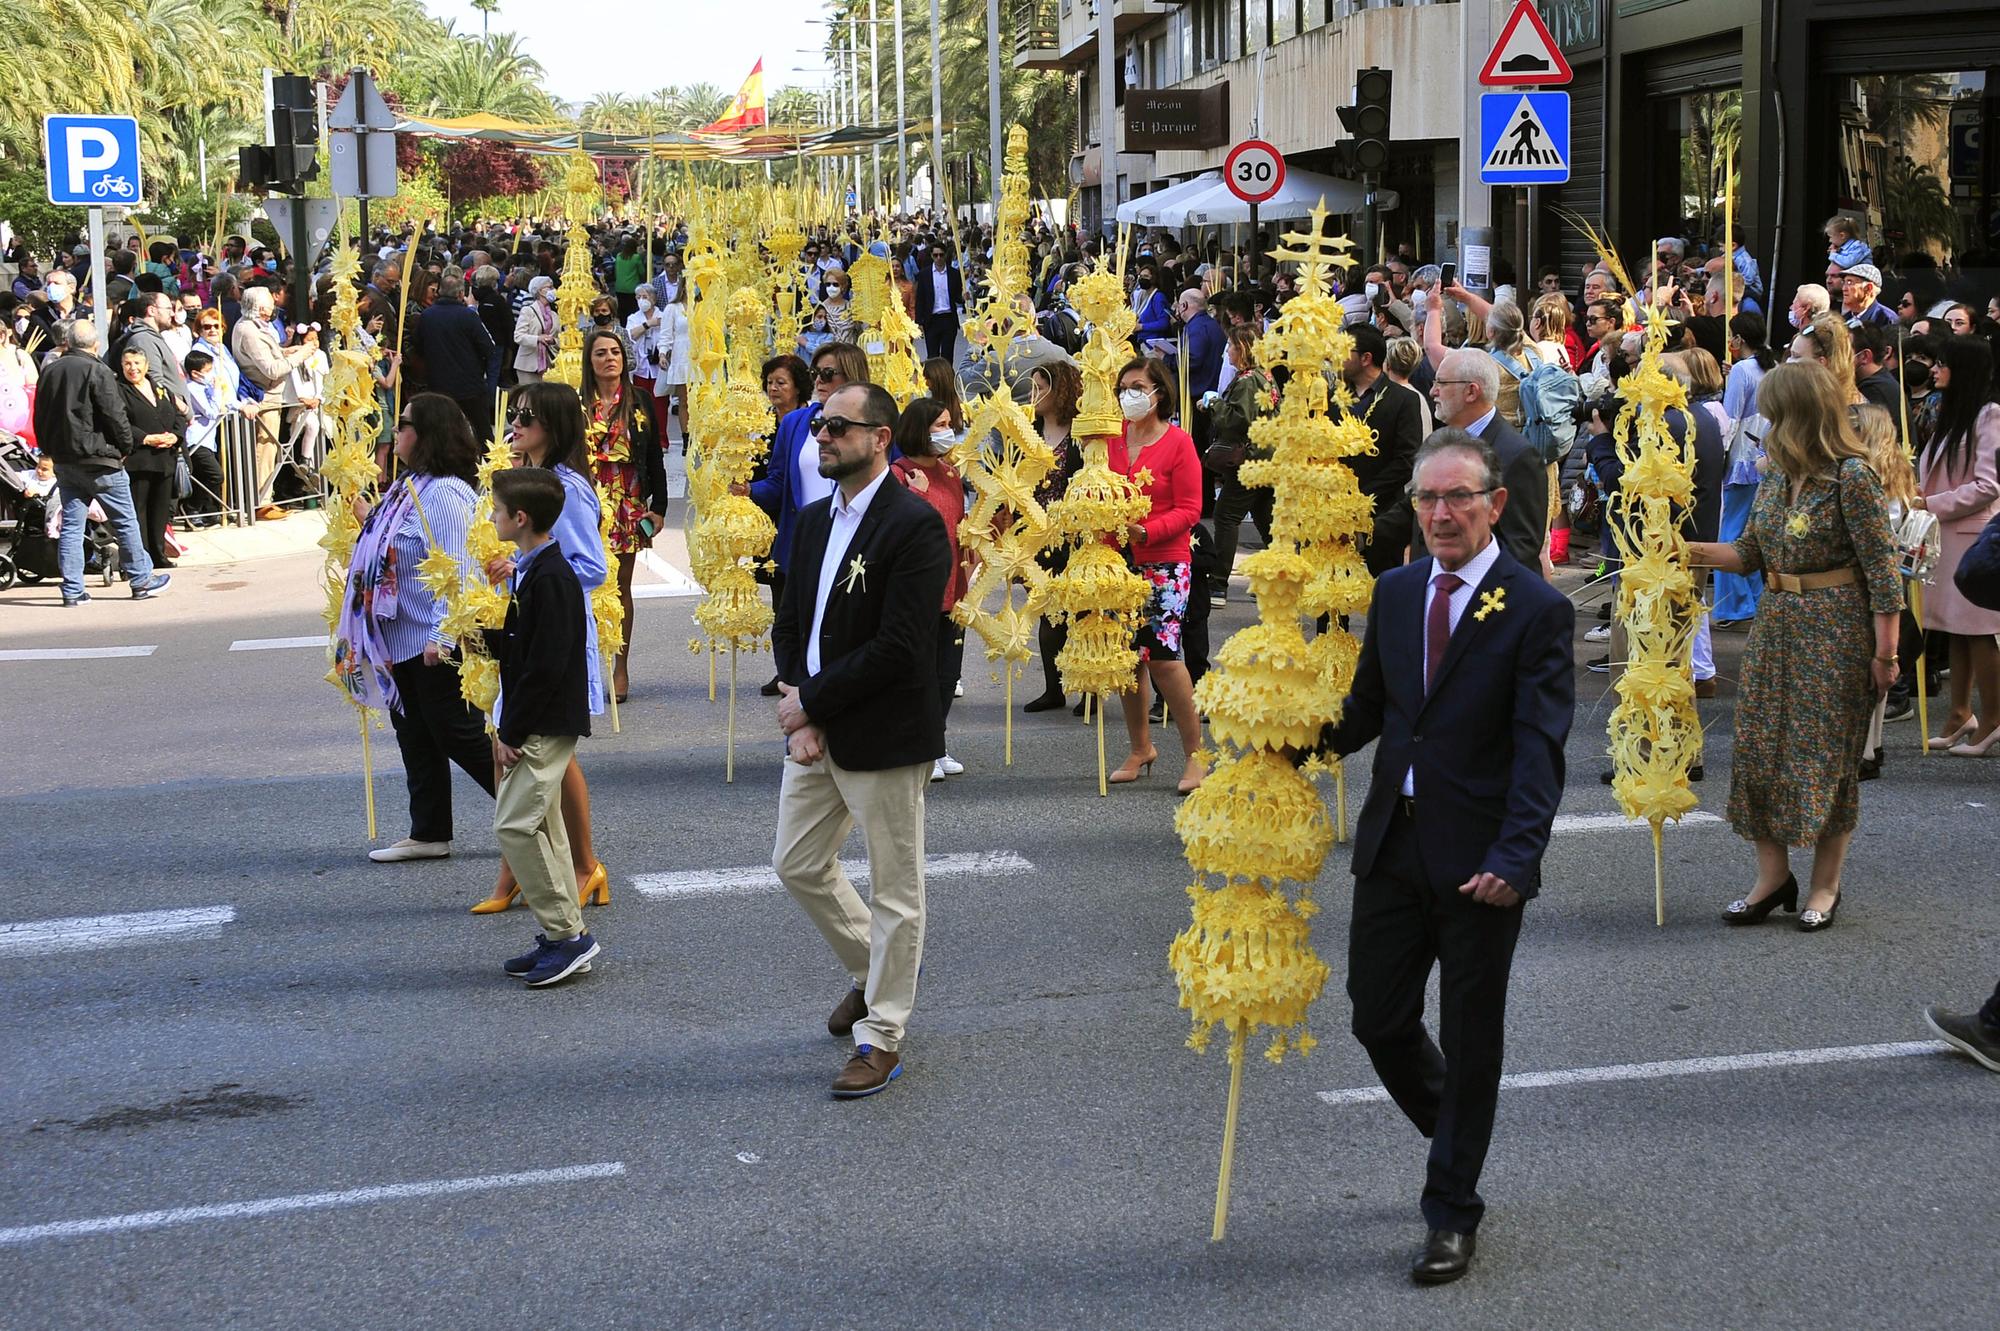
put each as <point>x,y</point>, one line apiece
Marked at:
<point>1524,138</point>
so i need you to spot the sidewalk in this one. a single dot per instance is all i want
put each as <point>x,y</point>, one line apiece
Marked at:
<point>298,534</point>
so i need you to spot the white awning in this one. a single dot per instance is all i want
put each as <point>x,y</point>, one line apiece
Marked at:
<point>1296,198</point>
<point>1145,210</point>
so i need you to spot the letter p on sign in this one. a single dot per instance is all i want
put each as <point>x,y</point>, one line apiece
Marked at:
<point>92,160</point>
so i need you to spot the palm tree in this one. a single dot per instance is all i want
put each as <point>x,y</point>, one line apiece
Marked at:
<point>487,9</point>
<point>468,76</point>
<point>1915,200</point>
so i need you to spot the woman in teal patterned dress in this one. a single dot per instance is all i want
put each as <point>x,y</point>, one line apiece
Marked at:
<point>1823,645</point>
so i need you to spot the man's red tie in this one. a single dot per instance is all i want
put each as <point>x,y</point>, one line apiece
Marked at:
<point>1437,626</point>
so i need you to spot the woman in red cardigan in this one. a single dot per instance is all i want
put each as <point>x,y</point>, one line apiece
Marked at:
<point>1159,547</point>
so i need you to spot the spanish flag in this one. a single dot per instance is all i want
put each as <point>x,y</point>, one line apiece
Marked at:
<point>746,109</point>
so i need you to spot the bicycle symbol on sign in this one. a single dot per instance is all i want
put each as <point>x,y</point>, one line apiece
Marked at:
<point>111,187</point>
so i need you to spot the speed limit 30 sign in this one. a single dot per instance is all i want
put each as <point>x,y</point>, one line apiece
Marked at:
<point>1254,171</point>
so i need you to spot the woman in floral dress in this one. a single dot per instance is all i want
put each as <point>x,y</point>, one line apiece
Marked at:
<point>628,466</point>
<point>1823,645</point>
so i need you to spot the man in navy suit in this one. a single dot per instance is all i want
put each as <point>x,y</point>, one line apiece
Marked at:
<point>1467,680</point>
<point>1467,395</point>
<point>856,642</point>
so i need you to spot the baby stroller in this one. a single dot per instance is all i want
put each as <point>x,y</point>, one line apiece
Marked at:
<point>27,551</point>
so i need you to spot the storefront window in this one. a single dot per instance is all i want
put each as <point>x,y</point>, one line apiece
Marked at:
<point>1911,163</point>
<point>1711,139</point>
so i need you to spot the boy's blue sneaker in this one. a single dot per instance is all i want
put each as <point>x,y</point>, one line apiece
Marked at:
<point>520,966</point>
<point>151,587</point>
<point>558,961</point>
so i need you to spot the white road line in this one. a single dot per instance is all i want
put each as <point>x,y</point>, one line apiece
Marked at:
<point>310,1201</point>
<point>1679,1067</point>
<point>84,933</point>
<point>73,653</point>
<point>762,878</point>
<point>1608,822</point>
<point>276,644</point>
<point>672,582</point>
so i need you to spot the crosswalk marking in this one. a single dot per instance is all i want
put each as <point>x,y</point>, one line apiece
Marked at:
<point>672,582</point>
<point>1678,1067</point>
<point>277,644</point>
<point>73,653</point>
<point>83,933</point>
<point>762,878</point>
<point>1609,822</point>
<point>310,1201</point>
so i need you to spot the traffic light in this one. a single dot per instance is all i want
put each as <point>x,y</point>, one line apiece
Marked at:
<point>1367,122</point>
<point>292,158</point>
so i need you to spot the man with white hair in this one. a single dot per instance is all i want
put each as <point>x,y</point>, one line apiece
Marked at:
<point>80,425</point>
<point>1808,303</point>
<point>266,363</point>
<point>1858,303</point>
<point>1467,394</point>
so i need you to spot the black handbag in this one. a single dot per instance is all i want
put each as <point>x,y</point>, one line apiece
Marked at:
<point>183,478</point>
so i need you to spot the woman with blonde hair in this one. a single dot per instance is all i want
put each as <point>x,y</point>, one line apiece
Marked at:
<point>1825,340</point>
<point>1404,356</point>
<point>1822,648</point>
<point>1555,337</point>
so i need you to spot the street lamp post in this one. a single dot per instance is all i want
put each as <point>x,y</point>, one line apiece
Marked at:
<point>902,119</point>
<point>993,104</point>
<point>937,120</point>
<point>874,96</point>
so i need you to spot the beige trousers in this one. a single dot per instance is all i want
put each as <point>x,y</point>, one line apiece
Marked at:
<point>267,422</point>
<point>527,819</point>
<point>881,941</point>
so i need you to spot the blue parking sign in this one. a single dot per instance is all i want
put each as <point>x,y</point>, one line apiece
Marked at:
<point>93,160</point>
<point>1524,138</point>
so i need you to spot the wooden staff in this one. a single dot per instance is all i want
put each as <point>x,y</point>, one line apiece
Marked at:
<point>1659,879</point>
<point>1237,1040</point>
<point>367,768</point>
<point>1340,802</point>
<point>729,759</point>
<point>1102,788</point>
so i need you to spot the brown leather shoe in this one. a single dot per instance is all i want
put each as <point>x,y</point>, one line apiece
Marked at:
<point>867,1072</point>
<point>1704,688</point>
<point>852,1009</point>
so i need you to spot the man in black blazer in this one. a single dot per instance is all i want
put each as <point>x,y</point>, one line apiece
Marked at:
<point>1467,681</point>
<point>940,296</point>
<point>1396,416</point>
<point>856,641</point>
<point>1467,394</point>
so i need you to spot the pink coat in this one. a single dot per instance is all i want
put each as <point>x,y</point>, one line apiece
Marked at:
<point>1963,498</point>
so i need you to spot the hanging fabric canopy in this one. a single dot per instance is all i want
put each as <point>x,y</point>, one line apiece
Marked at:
<point>1146,210</point>
<point>1297,197</point>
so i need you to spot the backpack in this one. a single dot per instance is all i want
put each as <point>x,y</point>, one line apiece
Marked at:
<point>1550,399</point>
<point>1060,326</point>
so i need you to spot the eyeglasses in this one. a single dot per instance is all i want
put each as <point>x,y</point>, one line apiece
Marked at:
<point>826,374</point>
<point>520,416</point>
<point>1458,501</point>
<point>835,425</point>
<point>405,423</point>
<point>1445,383</point>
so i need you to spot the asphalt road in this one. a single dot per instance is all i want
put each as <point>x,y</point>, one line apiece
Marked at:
<point>330,1027</point>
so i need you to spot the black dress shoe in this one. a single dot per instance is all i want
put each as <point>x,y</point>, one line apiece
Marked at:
<point>1446,1257</point>
<point>770,690</point>
<point>1048,702</point>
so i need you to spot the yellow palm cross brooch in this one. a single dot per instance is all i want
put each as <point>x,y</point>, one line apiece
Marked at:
<point>857,572</point>
<point>1491,603</point>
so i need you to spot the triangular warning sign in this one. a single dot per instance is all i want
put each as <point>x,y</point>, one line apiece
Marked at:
<point>1525,145</point>
<point>1526,53</point>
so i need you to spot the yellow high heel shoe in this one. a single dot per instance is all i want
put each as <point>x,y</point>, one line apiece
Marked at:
<point>498,902</point>
<point>596,889</point>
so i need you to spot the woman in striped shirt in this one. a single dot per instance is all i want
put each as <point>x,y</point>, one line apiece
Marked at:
<point>390,650</point>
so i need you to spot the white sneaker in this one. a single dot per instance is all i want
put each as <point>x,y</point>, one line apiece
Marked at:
<point>958,689</point>
<point>1597,633</point>
<point>407,849</point>
<point>950,766</point>
<point>937,770</point>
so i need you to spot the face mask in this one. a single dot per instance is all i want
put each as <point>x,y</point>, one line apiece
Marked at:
<point>1372,289</point>
<point>1135,403</point>
<point>1145,284</point>
<point>833,293</point>
<point>180,317</point>
<point>549,295</point>
<point>819,325</point>
<point>941,440</point>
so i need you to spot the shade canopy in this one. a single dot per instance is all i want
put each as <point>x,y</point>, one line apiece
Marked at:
<point>1296,198</point>
<point>1145,210</point>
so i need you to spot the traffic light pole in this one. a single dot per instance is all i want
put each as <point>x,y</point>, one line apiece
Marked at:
<point>301,266</point>
<point>1370,223</point>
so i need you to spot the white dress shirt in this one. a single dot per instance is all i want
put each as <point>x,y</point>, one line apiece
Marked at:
<point>847,515</point>
<point>1473,572</point>
<point>808,486</point>
<point>941,290</point>
<point>1478,425</point>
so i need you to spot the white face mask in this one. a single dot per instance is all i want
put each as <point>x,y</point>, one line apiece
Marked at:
<point>549,295</point>
<point>941,440</point>
<point>1372,289</point>
<point>1135,403</point>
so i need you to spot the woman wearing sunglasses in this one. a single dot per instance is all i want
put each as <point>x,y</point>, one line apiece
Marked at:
<point>546,420</point>
<point>627,464</point>
<point>390,650</point>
